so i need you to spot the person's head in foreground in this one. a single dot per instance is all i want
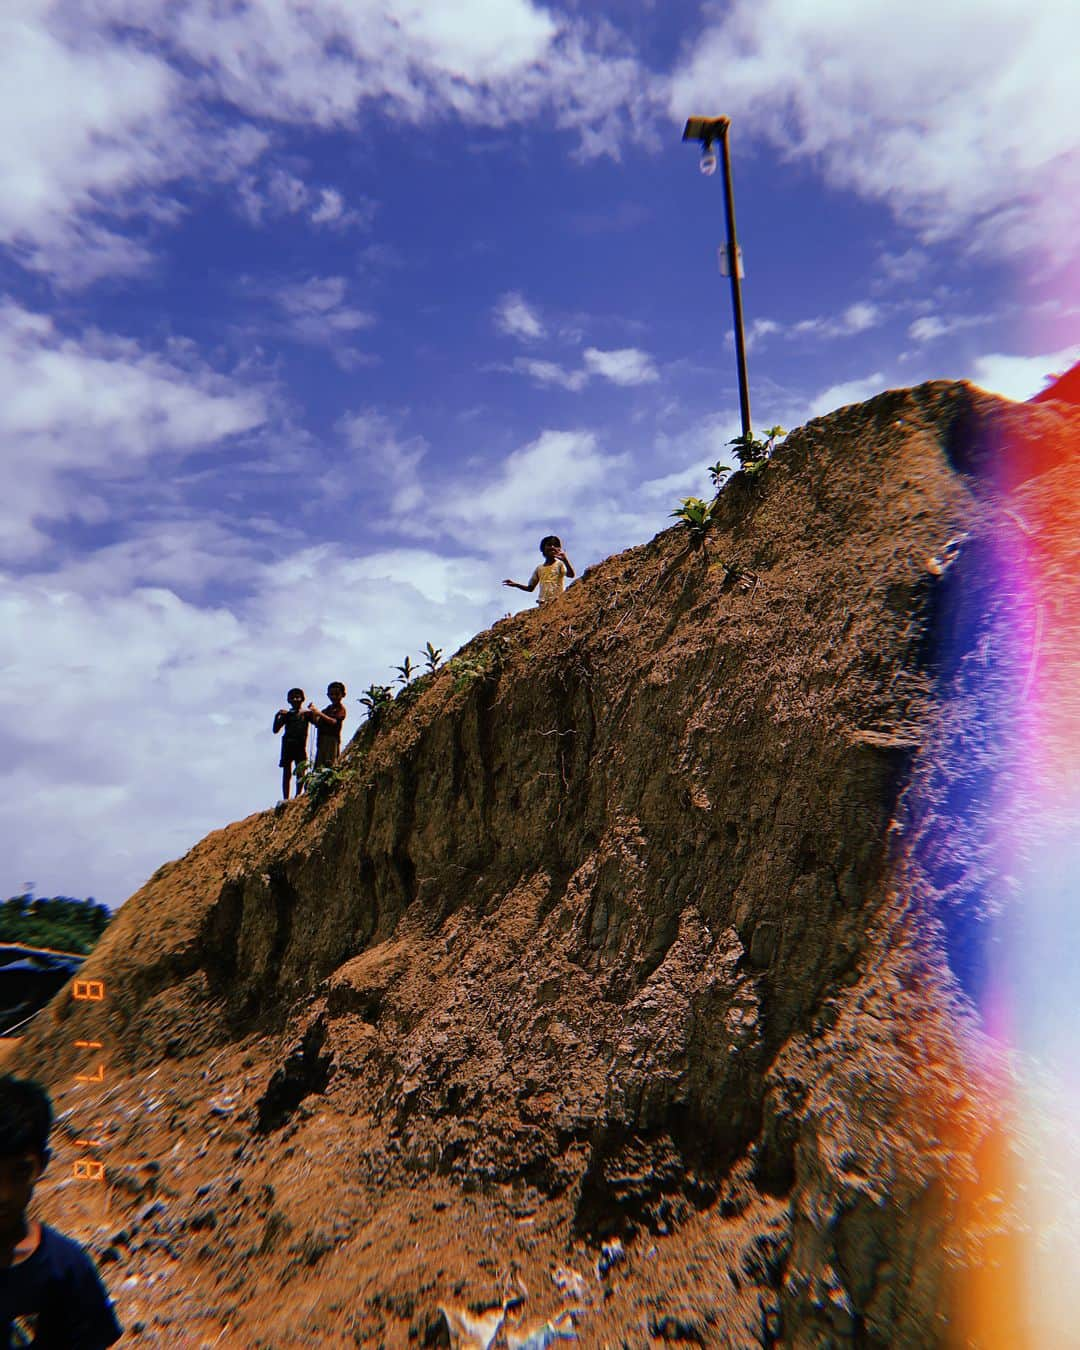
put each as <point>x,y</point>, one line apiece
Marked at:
<point>25,1122</point>
<point>50,1292</point>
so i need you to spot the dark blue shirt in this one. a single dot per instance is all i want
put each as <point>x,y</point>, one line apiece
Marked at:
<point>54,1300</point>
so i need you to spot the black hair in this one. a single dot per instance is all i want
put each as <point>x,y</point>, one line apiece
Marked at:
<point>289,695</point>
<point>550,539</point>
<point>26,1117</point>
<point>336,684</point>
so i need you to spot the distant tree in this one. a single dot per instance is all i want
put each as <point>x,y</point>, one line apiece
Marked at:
<point>61,922</point>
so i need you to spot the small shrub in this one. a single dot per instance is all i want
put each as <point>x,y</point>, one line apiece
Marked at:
<point>753,454</point>
<point>375,698</point>
<point>409,693</point>
<point>405,673</point>
<point>475,666</point>
<point>321,784</point>
<point>718,472</point>
<point>737,575</point>
<point>697,516</point>
<point>432,657</point>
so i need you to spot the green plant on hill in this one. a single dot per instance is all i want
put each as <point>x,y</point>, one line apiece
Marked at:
<point>754,453</point>
<point>737,575</point>
<point>432,657</point>
<point>718,472</point>
<point>698,516</point>
<point>321,784</point>
<point>405,673</point>
<point>375,698</point>
<point>410,692</point>
<point>476,666</point>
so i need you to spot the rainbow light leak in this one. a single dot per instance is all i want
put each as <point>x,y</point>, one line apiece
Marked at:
<point>1019,1223</point>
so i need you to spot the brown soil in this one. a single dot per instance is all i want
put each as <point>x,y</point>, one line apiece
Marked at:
<point>1064,389</point>
<point>651,920</point>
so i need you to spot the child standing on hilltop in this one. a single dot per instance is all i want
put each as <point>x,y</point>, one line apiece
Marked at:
<point>50,1290</point>
<point>328,725</point>
<point>294,722</point>
<point>551,574</point>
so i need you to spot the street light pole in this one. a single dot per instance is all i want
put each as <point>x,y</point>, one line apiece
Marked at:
<point>709,130</point>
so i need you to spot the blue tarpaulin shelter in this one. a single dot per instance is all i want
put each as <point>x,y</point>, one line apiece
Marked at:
<point>29,977</point>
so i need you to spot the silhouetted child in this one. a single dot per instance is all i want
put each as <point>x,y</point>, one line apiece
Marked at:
<point>328,725</point>
<point>551,574</point>
<point>50,1290</point>
<point>295,722</point>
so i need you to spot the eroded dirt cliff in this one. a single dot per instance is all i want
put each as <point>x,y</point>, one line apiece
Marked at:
<point>656,918</point>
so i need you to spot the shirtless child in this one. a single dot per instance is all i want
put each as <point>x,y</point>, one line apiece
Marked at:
<point>295,722</point>
<point>328,725</point>
<point>551,574</point>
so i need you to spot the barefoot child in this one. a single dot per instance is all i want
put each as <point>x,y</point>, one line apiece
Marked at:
<point>551,574</point>
<point>328,724</point>
<point>50,1290</point>
<point>294,722</point>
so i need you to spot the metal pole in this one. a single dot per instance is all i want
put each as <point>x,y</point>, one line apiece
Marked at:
<point>736,285</point>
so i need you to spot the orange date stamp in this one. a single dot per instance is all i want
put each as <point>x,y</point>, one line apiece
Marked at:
<point>88,1167</point>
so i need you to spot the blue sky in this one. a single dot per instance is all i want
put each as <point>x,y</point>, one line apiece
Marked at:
<point>315,316</point>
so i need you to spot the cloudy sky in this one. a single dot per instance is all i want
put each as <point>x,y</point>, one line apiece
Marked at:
<point>316,314</point>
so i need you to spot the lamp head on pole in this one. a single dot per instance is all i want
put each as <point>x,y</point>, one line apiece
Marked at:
<point>707,130</point>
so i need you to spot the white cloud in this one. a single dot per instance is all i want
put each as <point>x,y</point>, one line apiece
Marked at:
<point>840,395</point>
<point>74,410</point>
<point>92,126</point>
<point>550,372</point>
<point>515,317</point>
<point>856,318</point>
<point>75,125</point>
<point>319,62</point>
<point>282,193</point>
<point>545,478</point>
<point>759,330</point>
<point>960,117</point>
<point>323,300</point>
<point>286,192</point>
<point>624,366</point>
<point>331,209</point>
<point>105,106</point>
<point>930,327</point>
<point>317,313</point>
<point>375,443</point>
<point>1021,377</point>
<point>859,317</point>
<point>564,482</point>
<point>489,62</point>
<point>902,268</point>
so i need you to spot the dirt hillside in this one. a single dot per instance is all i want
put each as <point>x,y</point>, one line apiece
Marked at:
<point>634,970</point>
